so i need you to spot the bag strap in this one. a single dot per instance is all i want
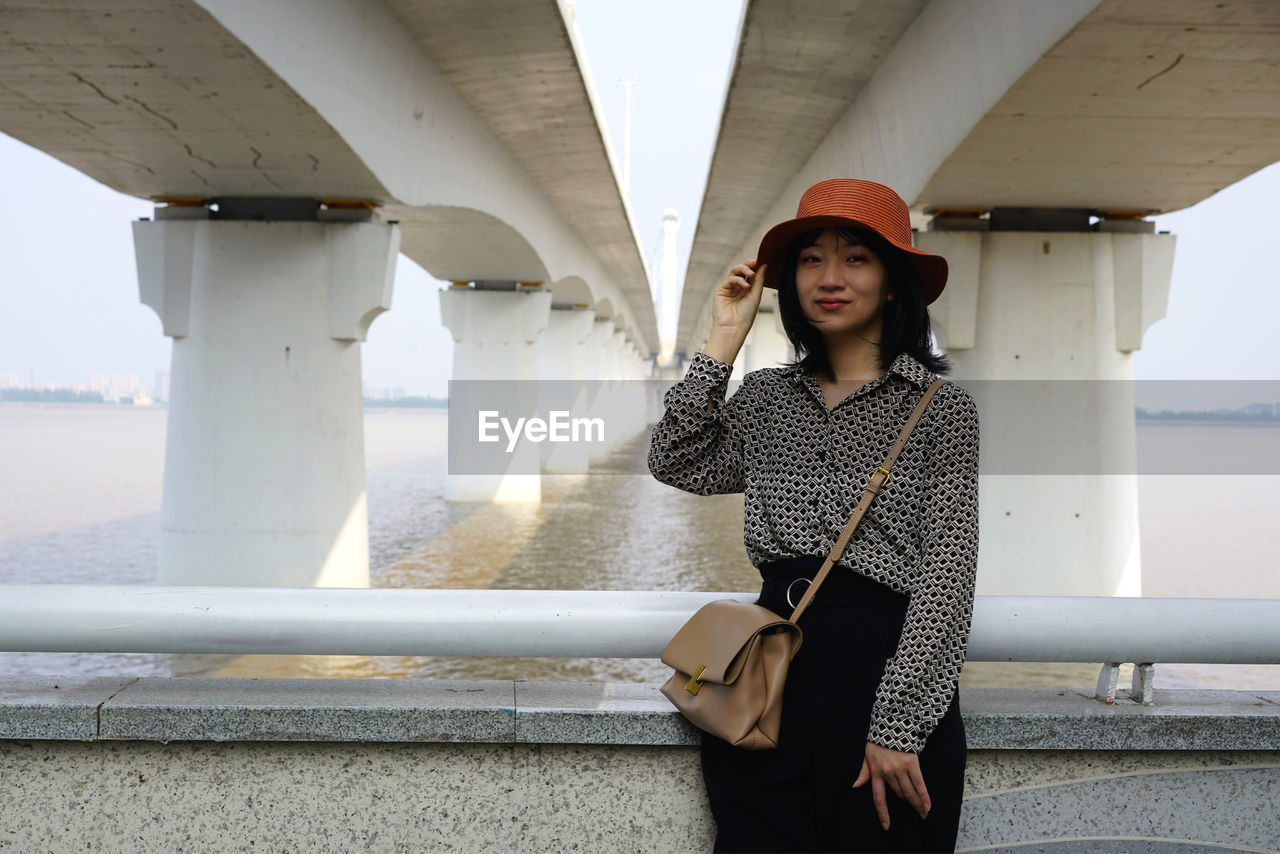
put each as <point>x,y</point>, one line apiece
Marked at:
<point>877,481</point>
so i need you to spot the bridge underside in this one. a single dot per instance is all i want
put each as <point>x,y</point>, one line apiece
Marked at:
<point>458,122</point>
<point>1140,106</point>
<point>1146,106</point>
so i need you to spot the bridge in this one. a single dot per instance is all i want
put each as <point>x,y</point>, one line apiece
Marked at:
<point>292,151</point>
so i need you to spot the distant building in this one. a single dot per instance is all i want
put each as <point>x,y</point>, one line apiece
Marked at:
<point>380,393</point>
<point>8,379</point>
<point>161,388</point>
<point>140,398</point>
<point>113,387</point>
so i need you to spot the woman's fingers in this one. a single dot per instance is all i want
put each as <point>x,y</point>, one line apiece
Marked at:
<point>891,780</point>
<point>864,775</point>
<point>906,789</point>
<point>917,781</point>
<point>900,772</point>
<point>882,804</point>
<point>743,277</point>
<point>738,282</point>
<point>738,298</point>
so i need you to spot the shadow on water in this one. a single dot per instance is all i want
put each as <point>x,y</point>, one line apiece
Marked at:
<point>613,529</point>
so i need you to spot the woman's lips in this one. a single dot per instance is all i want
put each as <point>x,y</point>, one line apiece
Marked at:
<point>832,304</point>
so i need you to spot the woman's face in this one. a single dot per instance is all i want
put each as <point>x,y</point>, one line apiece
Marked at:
<point>840,283</point>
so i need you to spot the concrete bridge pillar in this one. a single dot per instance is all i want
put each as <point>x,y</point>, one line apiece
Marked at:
<point>596,348</point>
<point>634,391</point>
<point>495,328</point>
<point>1041,326</point>
<point>563,383</point>
<point>561,348</point>
<point>264,479</point>
<point>624,399</point>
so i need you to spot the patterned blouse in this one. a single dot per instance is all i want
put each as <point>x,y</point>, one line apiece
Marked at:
<point>803,467</point>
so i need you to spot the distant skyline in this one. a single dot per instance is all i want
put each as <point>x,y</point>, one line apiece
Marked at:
<point>68,290</point>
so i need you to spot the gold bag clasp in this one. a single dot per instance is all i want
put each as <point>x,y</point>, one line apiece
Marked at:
<point>695,682</point>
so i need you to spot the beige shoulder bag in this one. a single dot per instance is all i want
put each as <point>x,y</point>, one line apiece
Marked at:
<point>731,658</point>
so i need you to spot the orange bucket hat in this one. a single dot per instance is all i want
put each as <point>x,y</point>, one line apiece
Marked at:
<point>860,205</point>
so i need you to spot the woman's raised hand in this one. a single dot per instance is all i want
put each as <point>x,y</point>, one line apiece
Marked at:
<point>901,772</point>
<point>733,307</point>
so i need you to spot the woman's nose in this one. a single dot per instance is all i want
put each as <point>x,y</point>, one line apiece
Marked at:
<point>830,274</point>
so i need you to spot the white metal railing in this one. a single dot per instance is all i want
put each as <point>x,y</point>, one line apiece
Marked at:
<point>580,624</point>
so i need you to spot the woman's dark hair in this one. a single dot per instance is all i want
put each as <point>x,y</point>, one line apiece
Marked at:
<point>906,317</point>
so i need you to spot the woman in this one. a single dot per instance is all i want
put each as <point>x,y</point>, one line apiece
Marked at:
<point>871,753</point>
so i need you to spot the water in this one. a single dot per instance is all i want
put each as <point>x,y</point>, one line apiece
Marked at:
<point>81,495</point>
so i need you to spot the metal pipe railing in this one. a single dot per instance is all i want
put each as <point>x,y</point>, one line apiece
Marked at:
<point>580,623</point>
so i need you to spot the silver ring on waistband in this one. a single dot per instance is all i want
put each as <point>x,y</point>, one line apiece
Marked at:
<point>793,584</point>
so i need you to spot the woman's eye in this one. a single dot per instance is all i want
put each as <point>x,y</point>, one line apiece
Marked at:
<point>858,258</point>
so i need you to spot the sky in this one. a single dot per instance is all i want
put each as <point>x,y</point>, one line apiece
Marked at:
<point>68,286</point>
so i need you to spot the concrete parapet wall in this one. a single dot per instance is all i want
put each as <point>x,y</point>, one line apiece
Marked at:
<point>389,765</point>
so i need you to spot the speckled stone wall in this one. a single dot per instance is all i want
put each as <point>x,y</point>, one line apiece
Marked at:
<point>340,797</point>
<point>426,765</point>
<point>278,796</point>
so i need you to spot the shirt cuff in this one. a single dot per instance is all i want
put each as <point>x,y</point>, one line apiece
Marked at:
<point>708,366</point>
<point>903,733</point>
<point>702,391</point>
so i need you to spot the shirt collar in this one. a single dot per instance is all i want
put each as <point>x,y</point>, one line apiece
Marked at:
<point>910,369</point>
<point>905,365</point>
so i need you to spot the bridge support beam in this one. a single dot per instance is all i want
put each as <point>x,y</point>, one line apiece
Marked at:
<point>1048,322</point>
<point>264,480</point>
<point>562,373</point>
<point>598,348</point>
<point>626,392</point>
<point>495,332</point>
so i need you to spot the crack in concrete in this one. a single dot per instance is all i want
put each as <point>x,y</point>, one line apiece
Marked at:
<point>315,163</point>
<point>198,157</point>
<point>144,106</point>
<point>78,120</point>
<point>1170,67</point>
<point>97,733</point>
<point>102,94</point>
<point>257,155</point>
<point>142,166</point>
<point>202,178</point>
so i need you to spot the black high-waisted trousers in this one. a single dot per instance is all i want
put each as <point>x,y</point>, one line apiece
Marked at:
<point>800,796</point>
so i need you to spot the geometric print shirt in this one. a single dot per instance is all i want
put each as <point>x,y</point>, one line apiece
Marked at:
<point>802,469</point>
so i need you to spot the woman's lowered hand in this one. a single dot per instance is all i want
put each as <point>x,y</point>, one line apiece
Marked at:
<point>733,309</point>
<point>901,772</point>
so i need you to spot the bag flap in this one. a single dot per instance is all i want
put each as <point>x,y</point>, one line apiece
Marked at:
<point>719,636</point>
